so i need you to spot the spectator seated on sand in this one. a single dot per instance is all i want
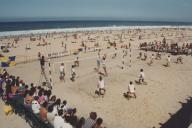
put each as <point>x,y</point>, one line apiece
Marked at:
<point>131,91</point>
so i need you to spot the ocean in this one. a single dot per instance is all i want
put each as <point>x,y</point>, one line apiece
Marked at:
<point>27,27</point>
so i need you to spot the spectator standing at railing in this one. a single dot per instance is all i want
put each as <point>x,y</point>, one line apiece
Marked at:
<point>98,123</point>
<point>91,120</point>
<point>50,115</point>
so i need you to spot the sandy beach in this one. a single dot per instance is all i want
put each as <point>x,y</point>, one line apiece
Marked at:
<point>166,86</point>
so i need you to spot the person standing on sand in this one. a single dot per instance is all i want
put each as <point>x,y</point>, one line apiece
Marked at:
<point>65,47</point>
<point>98,123</point>
<point>168,59</point>
<point>39,55</point>
<point>140,55</point>
<point>73,74</point>
<point>42,64</point>
<point>104,65</point>
<point>76,63</point>
<point>145,56</point>
<point>89,122</point>
<point>151,60</point>
<point>62,72</point>
<point>98,62</point>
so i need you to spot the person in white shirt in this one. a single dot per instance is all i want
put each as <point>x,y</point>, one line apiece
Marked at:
<point>168,59</point>
<point>131,90</point>
<point>151,60</point>
<point>101,87</point>
<point>59,122</point>
<point>141,76</point>
<point>62,72</point>
<point>35,107</point>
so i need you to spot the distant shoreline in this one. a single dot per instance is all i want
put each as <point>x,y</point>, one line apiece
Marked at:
<point>85,29</point>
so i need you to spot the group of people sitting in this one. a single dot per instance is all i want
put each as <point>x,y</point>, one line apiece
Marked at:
<point>163,46</point>
<point>44,105</point>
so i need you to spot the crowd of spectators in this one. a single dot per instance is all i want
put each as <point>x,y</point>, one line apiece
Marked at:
<point>47,107</point>
<point>174,48</point>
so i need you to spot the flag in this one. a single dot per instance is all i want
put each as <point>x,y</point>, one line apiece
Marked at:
<point>8,61</point>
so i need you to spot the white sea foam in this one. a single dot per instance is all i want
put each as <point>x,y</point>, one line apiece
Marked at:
<point>44,31</point>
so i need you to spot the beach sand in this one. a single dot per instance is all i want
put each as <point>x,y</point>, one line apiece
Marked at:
<point>167,86</point>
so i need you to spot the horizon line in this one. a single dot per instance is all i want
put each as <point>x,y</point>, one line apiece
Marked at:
<point>38,19</point>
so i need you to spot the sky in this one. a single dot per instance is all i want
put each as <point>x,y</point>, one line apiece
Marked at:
<point>166,10</point>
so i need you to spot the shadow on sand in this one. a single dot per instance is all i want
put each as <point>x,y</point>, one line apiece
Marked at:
<point>182,118</point>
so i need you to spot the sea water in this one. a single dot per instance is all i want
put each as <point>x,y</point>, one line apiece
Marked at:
<point>35,27</point>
